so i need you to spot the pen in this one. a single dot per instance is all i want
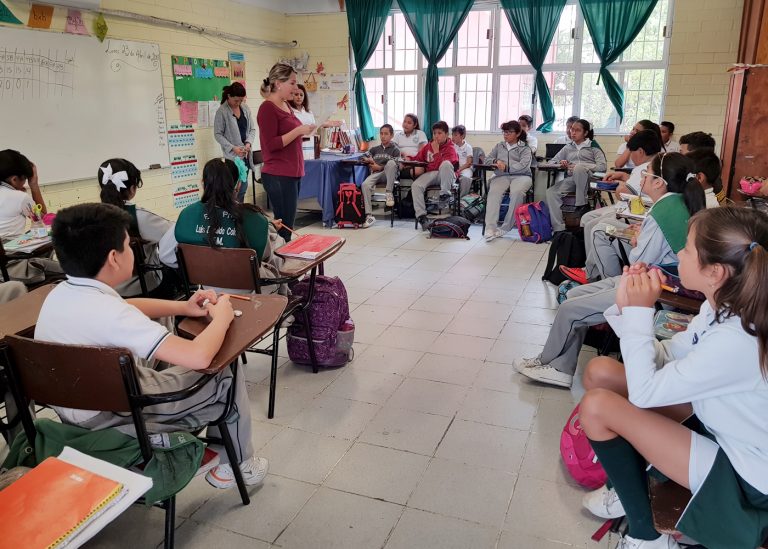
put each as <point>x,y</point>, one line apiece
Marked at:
<point>241,297</point>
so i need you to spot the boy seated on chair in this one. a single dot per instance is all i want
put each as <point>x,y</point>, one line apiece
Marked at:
<point>92,244</point>
<point>383,165</point>
<point>442,161</point>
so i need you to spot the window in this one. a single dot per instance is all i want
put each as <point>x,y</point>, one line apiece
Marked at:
<point>485,78</point>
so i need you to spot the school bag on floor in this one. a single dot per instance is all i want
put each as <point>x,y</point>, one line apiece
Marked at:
<point>566,249</point>
<point>452,226</point>
<point>472,207</point>
<point>578,456</point>
<point>332,329</point>
<point>350,213</point>
<point>533,222</point>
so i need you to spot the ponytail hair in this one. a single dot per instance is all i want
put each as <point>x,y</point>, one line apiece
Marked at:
<point>589,131</point>
<point>514,126</point>
<point>678,172</point>
<point>110,178</point>
<point>280,72</point>
<point>737,239</point>
<point>235,89</point>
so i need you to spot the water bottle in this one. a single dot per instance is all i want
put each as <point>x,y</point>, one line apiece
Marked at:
<point>525,228</point>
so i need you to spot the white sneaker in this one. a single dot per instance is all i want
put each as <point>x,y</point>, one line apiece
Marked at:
<point>369,220</point>
<point>390,200</point>
<point>524,364</point>
<point>491,234</point>
<point>604,503</point>
<point>664,541</point>
<point>254,470</point>
<point>548,375</point>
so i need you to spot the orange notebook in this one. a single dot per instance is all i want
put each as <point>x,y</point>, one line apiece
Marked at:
<point>308,246</point>
<point>52,502</point>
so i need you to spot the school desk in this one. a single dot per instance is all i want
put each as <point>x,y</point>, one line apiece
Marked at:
<point>482,170</point>
<point>322,177</point>
<point>552,170</point>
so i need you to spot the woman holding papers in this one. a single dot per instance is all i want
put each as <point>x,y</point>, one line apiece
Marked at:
<point>234,128</point>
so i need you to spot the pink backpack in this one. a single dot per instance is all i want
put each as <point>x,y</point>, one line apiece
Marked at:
<point>578,456</point>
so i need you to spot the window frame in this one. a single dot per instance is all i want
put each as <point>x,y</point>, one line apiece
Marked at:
<point>498,18</point>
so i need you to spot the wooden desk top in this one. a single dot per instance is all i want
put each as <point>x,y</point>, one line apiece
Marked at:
<point>260,314</point>
<point>682,303</point>
<point>294,267</point>
<point>551,168</point>
<point>484,167</point>
<point>416,163</point>
<point>19,316</point>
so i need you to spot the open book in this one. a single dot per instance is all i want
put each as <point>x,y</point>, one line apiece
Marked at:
<point>25,243</point>
<point>308,246</point>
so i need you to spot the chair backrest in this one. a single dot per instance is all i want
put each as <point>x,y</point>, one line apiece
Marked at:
<point>139,262</point>
<point>478,155</point>
<point>553,148</point>
<point>235,268</point>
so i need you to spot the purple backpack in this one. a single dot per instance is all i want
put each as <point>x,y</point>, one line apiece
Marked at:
<point>332,329</point>
<point>533,222</point>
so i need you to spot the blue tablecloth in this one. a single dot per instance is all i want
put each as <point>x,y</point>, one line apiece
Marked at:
<point>323,176</point>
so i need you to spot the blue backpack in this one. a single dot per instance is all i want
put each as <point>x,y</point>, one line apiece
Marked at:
<point>533,222</point>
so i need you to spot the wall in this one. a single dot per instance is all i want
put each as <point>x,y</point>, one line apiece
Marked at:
<point>224,15</point>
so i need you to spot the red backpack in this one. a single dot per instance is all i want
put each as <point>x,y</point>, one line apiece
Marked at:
<point>350,212</point>
<point>578,455</point>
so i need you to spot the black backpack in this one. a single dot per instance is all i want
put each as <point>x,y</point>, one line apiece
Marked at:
<point>566,249</point>
<point>450,227</point>
<point>405,207</point>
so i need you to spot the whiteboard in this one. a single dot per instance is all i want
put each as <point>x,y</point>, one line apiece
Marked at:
<point>69,102</point>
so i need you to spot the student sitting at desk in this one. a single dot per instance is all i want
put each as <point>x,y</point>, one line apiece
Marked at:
<point>464,150</point>
<point>512,158</point>
<point>382,161</point>
<point>707,168</point>
<point>696,140</point>
<point>219,220</point>
<point>526,123</point>
<point>581,159</point>
<point>410,141</point>
<point>86,310</point>
<point>119,181</point>
<point>442,161</point>
<point>667,130</point>
<point>661,237</point>
<point>565,139</point>
<point>622,154</point>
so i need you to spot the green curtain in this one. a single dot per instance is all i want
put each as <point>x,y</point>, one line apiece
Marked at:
<point>534,25</point>
<point>434,24</point>
<point>614,24</point>
<point>366,19</point>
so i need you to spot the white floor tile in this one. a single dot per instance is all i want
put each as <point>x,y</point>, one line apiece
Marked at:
<point>304,456</point>
<point>423,320</point>
<point>423,530</point>
<point>413,339</point>
<point>364,385</point>
<point>406,430</point>
<point>466,346</point>
<point>432,397</point>
<point>448,369</point>
<point>196,535</point>
<point>335,417</point>
<point>496,311</point>
<point>497,408</point>
<point>481,445</point>
<point>380,314</point>
<point>387,359</point>
<point>441,305</point>
<point>473,326</point>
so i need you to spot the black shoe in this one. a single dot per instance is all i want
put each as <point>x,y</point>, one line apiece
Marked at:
<point>581,210</point>
<point>445,201</point>
<point>424,222</point>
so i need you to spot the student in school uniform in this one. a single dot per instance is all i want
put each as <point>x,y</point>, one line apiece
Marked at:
<point>679,195</point>
<point>234,127</point>
<point>667,129</point>
<point>581,159</point>
<point>622,154</point>
<point>714,372</point>
<point>696,140</point>
<point>707,168</point>
<point>464,150</point>
<point>440,154</point>
<point>512,158</point>
<point>526,124</point>
<point>643,146</point>
<point>382,161</point>
<point>565,139</point>
<point>119,181</point>
<point>410,141</point>
<point>86,310</point>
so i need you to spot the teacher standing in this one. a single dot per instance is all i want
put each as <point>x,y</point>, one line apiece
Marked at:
<point>280,134</point>
<point>234,128</point>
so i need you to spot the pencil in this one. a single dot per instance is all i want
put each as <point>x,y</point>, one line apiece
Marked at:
<point>241,297</point>
<point>284,226</point>
<point>669,288</point>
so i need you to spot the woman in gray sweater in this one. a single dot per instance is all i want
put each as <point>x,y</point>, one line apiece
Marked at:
<point>235,129</point>
<point>512,158</point>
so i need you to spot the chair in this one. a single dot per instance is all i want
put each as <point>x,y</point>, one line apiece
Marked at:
<point>257,159</point>
<point>103,379</point>
<point>551,149</point>
<point>478,157</point>
<point>238,268</point>
<point>140,265</point>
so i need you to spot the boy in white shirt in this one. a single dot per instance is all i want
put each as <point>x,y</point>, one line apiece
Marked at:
<point>464,150</point>
<point>667,131</point>
<point>16,171</point>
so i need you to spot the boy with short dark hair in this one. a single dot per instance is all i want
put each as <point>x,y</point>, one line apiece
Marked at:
<point>16,172</point>
<point>92,243</point>
<point>383,165</point>
<point>667,129</point>
<point>696,140</point>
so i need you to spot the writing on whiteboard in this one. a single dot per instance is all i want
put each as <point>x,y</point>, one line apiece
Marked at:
<point>35,74</point>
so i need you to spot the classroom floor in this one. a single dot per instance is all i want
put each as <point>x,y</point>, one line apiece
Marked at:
<point>427,439</point>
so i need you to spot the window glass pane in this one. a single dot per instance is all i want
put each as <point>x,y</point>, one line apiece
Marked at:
<point>475,92</point>
<point>445,63</point>
<point>562,88</point>
<point>382,56</point>
<point>473,43</point>
<point>561,49</point>
<point>515,92</point>
<point>643,94</point>
<point>406,50</point>
<point>401,98</point>
<point>447,85</point>
<point>588,53</point>
<point>374,91</point>
<point>649,44</point>
<point>510,52</point>
<point>595,105</point>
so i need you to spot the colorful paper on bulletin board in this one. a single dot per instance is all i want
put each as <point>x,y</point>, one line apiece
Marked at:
<point>236,56</point>
<point>203,120</point>
<point>183,166</point>
<point>184,195</point>
<point>40,16</point>
<point>197,79</point>
<point>238,71</point>
<point>6,16</point>
<point>101,27</point>
<point>181,136</point>
<point>333,82</point>
<point>188,112</point>
<point>75,23</point>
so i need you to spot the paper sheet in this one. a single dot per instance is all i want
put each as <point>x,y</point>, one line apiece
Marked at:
<point>188,112</point>
<point>40,17</point>
<point>75,23</point>
<point>203,120</point>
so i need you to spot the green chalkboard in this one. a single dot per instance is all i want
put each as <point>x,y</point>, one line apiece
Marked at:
<point>197,79</point>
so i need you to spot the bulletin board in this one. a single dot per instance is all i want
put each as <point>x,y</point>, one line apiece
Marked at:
<point>197,79</point>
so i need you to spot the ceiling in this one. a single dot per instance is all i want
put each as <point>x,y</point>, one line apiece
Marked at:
<point>296,6</point>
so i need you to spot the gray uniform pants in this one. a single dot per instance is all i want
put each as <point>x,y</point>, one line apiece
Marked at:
<point>444,176</point>
<point>191,413</point>
<point>388,174</point>
<point>517,185</point>
<point>578,181</point>
<point>583,308</point>
<point>605,260</point>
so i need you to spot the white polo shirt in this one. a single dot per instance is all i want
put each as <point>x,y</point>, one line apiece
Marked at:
<point>15,207</point>
<point>306,117</point>
<point>409,145</point>
<point>620,151</point>
<point>84,311</point>
<point>464,151</point>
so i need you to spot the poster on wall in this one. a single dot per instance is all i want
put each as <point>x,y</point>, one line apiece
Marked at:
<point>198,79</point>
<point>181,136</point>
<point>186,194</point>
<point>183,166</point>
<point>237,67</point>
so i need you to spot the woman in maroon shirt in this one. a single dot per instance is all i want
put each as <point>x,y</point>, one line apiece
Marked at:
<point>280,134</point>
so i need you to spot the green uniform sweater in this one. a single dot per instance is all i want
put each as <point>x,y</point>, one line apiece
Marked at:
<point>193,226</point>
<point>671,215</point>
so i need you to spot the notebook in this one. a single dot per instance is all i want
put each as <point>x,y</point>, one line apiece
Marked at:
<point>308,246</point>
<point>25,243</point>
<point>50,504</point>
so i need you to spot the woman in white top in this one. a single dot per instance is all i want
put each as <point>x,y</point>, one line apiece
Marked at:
<point>300,106</point>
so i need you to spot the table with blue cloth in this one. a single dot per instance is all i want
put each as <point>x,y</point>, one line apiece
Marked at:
<point>323,176</point>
